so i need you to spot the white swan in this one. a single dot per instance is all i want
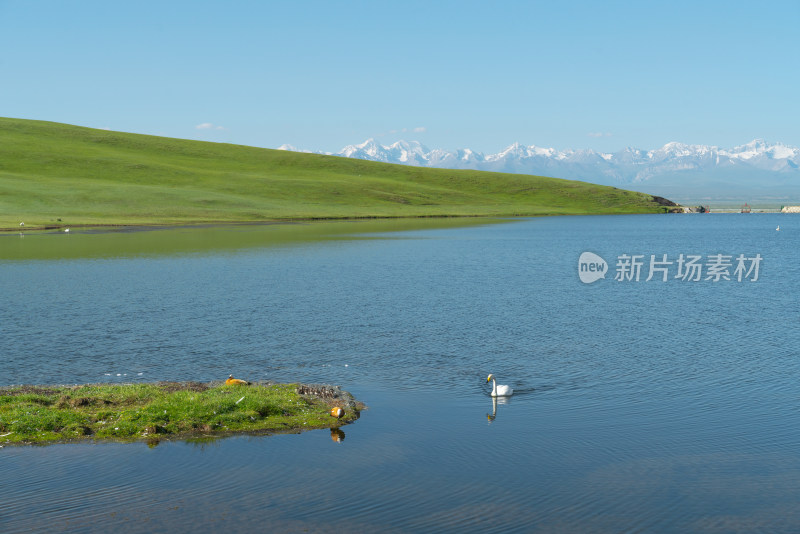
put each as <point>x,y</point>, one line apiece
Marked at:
<point>499,391</point>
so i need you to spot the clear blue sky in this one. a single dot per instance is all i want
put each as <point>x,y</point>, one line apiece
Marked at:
<point>321,75</point>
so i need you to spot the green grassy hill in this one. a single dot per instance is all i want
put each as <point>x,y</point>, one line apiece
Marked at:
<point>82,176</point>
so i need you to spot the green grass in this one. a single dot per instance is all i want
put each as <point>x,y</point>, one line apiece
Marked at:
<point>32,414</point>
<point>55,174</point>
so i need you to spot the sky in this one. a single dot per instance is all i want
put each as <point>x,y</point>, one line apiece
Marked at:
<point>321,75</point>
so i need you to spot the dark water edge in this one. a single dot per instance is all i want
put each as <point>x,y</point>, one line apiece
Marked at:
<point>162,241</point>
<point>642,406</point>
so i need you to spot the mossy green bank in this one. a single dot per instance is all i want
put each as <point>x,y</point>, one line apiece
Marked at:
<point>34,414</point>
<point>55,175</point>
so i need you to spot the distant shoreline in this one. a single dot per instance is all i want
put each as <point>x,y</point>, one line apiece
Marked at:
<point>133,227</point>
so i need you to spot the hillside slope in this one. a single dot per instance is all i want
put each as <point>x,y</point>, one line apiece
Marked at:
<point>58,174</point>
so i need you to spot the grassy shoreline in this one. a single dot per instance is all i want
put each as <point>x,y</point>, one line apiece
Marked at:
<point>58,175</point>
<point>203,223</point>
<point>197,224</point>
<point>166,410</point>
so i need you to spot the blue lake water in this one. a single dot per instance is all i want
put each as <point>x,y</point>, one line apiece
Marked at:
<point>638,405</point>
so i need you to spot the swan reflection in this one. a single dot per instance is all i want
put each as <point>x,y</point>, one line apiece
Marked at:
<point>495,401</point>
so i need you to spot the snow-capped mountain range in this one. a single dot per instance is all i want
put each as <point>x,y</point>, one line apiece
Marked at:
<point>674,169</point>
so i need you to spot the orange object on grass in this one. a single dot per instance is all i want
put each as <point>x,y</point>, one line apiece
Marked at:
<point>232,380</point>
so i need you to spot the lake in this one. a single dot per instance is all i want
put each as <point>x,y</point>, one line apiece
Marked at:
<point>639,405</point>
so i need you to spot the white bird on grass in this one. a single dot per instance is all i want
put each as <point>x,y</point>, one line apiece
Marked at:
<point>499,391</point>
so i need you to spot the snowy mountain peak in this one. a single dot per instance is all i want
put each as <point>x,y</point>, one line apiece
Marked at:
<point>626,167</point>
<point>675,149</point>
<point>515,149</point>
<point>755,144</point>
<point>369,149</point>
<point>758,148</point>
